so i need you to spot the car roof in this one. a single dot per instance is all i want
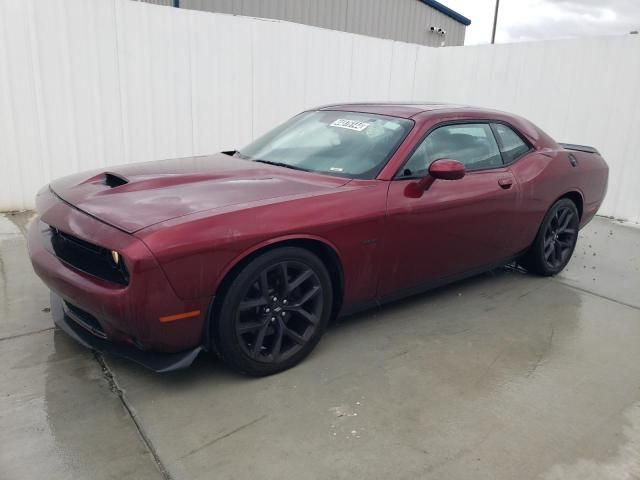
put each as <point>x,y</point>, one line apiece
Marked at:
<point>445,111</point>
<point>395,109</point>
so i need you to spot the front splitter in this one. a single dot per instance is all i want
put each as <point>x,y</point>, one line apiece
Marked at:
<point>157,361</point>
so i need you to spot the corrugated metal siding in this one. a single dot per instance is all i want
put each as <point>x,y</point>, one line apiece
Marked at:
<point>326,14</point>
<point>405,20</point>
<point>167,3</point>
<point>94,83</point>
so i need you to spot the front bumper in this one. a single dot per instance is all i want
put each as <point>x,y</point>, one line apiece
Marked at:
<point>132,316</point>
<point>65,319</point>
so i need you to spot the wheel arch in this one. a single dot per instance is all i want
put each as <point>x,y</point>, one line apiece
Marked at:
<point>322,248</point>
<point>576,197</point>
<point>531,259</point>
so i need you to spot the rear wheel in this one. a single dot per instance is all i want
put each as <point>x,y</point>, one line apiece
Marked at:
<point>274,312</point>
<point>555,241</point>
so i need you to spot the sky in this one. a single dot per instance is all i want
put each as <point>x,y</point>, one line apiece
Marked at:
<point>528,20</point>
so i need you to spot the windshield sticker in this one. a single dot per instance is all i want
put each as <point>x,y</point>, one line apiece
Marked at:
<point>349,124</point>
<point>336,169</point>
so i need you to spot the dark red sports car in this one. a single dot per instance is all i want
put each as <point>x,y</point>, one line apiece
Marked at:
<point>249,253</point>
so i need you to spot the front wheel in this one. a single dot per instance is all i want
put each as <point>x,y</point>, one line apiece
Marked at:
<point>274,312</point>
<point>555,241</point>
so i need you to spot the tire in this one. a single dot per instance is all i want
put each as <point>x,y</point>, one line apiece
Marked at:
<point>556,240</point>
<point>267,324</point>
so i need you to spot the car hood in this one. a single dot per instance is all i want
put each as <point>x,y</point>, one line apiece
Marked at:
<point>135,196</point>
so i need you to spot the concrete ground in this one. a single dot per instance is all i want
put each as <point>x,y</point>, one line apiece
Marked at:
<point>503,376</point>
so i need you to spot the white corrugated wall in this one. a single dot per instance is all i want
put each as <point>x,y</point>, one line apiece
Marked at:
<point>91,83</point>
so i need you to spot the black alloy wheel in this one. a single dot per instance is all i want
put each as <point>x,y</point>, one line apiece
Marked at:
<point>274,312</point>
<point>560,237</point>
<point>555,241</point>
<point>280,312</point>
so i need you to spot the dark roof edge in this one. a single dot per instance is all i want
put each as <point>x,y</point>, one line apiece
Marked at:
<point>447,11</point>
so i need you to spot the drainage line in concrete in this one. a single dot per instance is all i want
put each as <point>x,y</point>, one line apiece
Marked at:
<point>115,388</point>
<point>604,297</point>
<point>26,334</point>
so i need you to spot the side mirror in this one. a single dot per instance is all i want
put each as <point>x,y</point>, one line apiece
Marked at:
<point>442,169</point>
<point>447,169</point>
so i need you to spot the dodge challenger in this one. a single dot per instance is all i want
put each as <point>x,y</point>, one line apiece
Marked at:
<point>249,253</point>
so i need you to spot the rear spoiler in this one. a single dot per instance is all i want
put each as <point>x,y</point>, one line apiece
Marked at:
<point>579,148</point>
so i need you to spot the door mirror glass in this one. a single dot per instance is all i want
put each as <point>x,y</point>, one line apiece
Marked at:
<point>447,169</point>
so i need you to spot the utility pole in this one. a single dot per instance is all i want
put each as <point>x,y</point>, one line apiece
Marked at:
<point>495,22</point>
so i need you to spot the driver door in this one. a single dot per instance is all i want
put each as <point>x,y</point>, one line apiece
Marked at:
<point>456,226</point>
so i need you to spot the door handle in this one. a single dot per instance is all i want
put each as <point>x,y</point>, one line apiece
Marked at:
<point>505,182</point>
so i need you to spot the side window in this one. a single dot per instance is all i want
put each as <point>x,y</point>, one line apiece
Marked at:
<point>473,144</point>
<point>511,145</point>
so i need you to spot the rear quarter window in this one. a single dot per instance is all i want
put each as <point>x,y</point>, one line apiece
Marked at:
<point>512,146</point>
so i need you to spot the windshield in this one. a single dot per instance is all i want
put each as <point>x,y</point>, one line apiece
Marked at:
<point>348,144</point>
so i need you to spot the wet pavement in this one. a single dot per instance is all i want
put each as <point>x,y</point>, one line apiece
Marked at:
<point>502,376</point>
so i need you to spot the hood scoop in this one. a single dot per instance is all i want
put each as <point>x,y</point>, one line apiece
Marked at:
<point>134,196</point>
<point>114,180</point>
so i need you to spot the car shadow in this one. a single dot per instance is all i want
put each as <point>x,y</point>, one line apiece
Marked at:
<point>412,301</point>
<point>208,368</point>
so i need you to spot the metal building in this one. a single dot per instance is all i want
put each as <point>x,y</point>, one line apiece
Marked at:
<point>426,22</point>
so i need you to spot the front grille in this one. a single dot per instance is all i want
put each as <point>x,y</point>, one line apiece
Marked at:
<point>87,257</point>
<point>84,319</point>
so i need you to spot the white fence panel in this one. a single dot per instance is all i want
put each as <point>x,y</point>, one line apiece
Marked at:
<point>93,83</point>
<point>403,65</point>
<point>327,66</point>
<point>222,81</point>
<point>580,91</point>
<point>279,57</point>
